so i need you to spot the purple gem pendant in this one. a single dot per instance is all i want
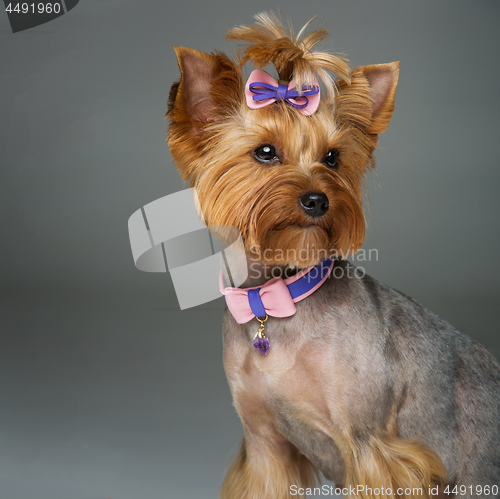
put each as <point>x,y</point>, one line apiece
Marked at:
<point>260,342</point>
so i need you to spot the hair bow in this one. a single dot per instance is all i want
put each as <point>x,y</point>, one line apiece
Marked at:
<point>262,89</point>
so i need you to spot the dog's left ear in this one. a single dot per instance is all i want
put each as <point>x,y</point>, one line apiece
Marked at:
<point>382,80</point>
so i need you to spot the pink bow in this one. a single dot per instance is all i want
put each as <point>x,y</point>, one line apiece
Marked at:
<point>274,295</point>
<point>262,89</point>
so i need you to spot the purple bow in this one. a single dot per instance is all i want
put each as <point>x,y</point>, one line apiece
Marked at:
<point>262,89</point>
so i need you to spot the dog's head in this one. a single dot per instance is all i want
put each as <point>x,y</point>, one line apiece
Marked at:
<point>290,182</point>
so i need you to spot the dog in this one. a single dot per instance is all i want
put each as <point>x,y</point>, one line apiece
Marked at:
<point>348,377</point>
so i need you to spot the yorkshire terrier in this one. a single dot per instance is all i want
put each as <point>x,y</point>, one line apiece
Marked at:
<point>345,375</point>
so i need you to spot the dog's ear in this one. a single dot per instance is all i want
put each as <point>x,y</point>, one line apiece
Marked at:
<point>367,101</point>
<point>208,88</point>
<point>383,80</point>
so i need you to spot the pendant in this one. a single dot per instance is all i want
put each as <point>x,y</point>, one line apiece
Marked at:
<point>260,342</point>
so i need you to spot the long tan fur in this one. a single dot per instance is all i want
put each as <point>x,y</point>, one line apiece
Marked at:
<point>387,467</point>
<point>269,475</point>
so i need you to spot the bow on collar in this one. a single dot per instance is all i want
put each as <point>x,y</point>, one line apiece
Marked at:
<point>262,89</point>
<point>276,297</point>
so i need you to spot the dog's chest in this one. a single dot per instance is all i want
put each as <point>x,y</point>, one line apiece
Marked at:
<point>302,390</point>
<point>297,368</point>
<point>291,393</point>
<point>312,361</point>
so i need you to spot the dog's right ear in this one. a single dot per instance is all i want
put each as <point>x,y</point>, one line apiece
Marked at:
<point>209,88</point>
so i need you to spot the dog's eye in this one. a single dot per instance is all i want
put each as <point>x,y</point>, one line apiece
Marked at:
<point>332,159</point>
<point>266,154</point>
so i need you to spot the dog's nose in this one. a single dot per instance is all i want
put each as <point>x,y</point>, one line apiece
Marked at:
<point>315,204</point>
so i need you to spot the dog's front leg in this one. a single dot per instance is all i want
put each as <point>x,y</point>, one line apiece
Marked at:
<point>267,467</point>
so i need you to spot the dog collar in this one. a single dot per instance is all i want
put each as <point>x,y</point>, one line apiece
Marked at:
<point>276,298</point>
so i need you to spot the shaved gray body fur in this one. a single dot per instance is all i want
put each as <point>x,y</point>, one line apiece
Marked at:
<point>378,349</point>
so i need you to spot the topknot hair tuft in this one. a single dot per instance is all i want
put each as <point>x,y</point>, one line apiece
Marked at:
<point>270,41</point>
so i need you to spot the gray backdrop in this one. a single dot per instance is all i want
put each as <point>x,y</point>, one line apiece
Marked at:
<point>107,390</point>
